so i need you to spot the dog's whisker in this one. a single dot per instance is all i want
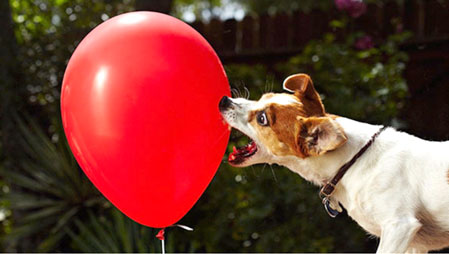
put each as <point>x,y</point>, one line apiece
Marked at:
<point>247,93</point>
<point>238,93</point>
<point>254,171</point>
<point>268,86</point>
<point>234,93</point>
<point>263,168</point>
<point>274,175</point>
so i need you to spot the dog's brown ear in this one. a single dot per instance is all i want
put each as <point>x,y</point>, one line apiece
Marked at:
<point>318,135</point>
<point>302,86</point>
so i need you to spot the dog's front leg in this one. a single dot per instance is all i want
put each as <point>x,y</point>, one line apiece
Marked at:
<point>397,234</point>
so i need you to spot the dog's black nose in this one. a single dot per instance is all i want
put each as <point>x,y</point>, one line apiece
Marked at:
<point>224,103</point>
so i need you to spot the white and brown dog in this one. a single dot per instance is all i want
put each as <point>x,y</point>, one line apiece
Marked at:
<point>395,185</point>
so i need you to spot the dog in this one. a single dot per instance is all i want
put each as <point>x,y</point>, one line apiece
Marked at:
<point>394,185</point>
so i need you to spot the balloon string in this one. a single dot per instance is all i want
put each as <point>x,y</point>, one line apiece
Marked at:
<point>183,227</point>
<point>161,234</point>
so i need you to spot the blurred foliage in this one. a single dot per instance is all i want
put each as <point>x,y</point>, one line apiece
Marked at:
<point>46,191</point>
<point>47,204</point>
<point>114,232</point>
<point>361,83</point>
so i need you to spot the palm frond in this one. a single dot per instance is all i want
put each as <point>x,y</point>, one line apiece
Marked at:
<point>113,233</point>
<point>48,191</point>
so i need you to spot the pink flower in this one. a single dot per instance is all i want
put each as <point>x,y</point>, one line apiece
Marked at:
<point>355,8</point>
<point>363,43</point>
<point>342,5</point>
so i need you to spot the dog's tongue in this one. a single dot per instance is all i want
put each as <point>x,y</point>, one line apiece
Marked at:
<point>242,152</point>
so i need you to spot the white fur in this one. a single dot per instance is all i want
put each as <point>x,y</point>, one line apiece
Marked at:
<point>397,178</point>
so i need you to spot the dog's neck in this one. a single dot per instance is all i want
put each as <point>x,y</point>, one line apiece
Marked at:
<point>320,169</point>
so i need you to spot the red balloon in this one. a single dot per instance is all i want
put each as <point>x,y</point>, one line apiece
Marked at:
<point>139,106</point>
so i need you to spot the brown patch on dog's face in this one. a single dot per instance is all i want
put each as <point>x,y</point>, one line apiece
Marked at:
<point>280,135</point>
<point>300,127</point>
<point>291,131</point>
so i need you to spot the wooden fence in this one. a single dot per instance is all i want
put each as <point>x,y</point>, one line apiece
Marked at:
<point>288,33</point>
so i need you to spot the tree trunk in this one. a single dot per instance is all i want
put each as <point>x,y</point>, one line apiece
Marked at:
<point>163,6</point>
<point>8,50</point>
<point>10,89</point>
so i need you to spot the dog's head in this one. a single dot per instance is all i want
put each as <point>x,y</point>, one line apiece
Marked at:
<point>282,125</point>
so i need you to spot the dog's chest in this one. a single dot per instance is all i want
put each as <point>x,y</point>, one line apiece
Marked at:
<point>365,220</point>
<point>362,210</point>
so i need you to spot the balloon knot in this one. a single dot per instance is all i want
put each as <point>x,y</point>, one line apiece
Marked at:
<point>160,235</point>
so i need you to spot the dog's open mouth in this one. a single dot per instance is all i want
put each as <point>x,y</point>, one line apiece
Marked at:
<point>241,154</point>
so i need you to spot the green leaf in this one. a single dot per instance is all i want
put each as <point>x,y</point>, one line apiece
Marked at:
<point>64,219</point>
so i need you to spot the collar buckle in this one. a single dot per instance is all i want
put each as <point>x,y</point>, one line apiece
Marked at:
<point>327,206</point>
<point>327,190</point>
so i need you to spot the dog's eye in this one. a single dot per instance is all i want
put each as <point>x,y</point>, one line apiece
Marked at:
<point>262,118</point>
